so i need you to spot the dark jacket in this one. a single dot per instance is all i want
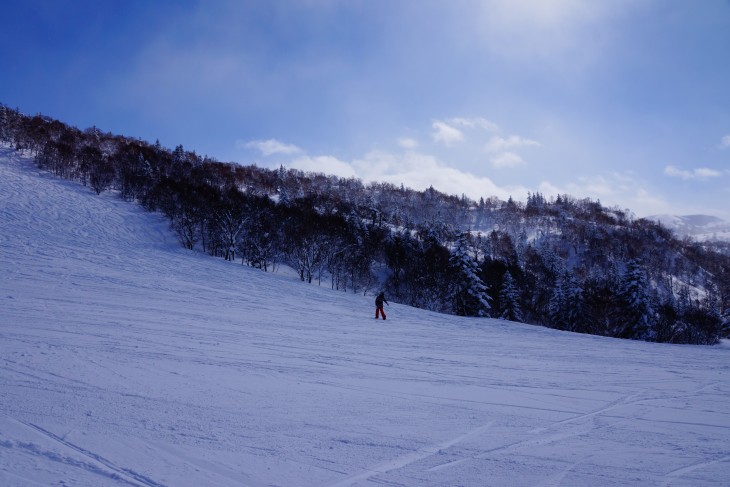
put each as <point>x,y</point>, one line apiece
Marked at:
<point>379,300</point>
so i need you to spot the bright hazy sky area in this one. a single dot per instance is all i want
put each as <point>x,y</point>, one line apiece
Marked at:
<point>624,101</point>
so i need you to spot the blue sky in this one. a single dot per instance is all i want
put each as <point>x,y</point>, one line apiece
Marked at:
<point>625,101</point>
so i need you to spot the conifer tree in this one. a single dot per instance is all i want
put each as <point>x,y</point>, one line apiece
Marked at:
<point>725,326</point>
<point>284,196</point>
<point>509,299</point>
<point>557,305</point>
<point>575,315</point>
<point>566,309</point>
<point>637,307</point>
<point>468,291</point>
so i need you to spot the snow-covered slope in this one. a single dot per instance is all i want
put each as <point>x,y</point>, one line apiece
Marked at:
<point>126,360</point>
<point>699,227</point>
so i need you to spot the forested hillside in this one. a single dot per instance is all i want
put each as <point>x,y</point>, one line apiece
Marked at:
<point>565,263</point>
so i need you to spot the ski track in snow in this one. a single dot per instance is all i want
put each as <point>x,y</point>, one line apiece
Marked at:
<point>122,474</point>
<point>127,360</point>
<point>407,459</point>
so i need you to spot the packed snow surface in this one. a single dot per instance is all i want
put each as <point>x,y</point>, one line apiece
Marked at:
<point>127,360</point>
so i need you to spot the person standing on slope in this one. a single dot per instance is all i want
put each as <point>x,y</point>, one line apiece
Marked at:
<point>379,305</point>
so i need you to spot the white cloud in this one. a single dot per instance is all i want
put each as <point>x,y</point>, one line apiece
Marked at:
<point>407,143</point>
<point>704,172</point>
<point>419,171</point>
<point>502,150</point>
<point>270,147</point>
<point>595,187</point>
<point>725,142</point>
<point>506,159</point>
<point>446,134</point>
<point>499,144</point>
<point>699,173</point>
<point>476,122</point>
<point>324,164</point>
<point>612,189</point>
<point>412,169</point>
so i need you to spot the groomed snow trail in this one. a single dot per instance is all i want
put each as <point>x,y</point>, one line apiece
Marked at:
<point>128,361</point>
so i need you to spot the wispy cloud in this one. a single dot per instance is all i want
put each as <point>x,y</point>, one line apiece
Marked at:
<point>506,160</point>
<point>699,173</point>
<point>407,143</point>
<point>446,134</point>
<point>475,122</point>
<point>725,142</point>
<point>419,171</point>
<point>613,189</point>
<point>411,168</point>
<point>324,164</point>
<point>502,150</point>
<point>417,166</point>
<point>499,144</point>
<point>269,147</point>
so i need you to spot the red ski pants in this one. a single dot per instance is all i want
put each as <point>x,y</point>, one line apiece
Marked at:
<point>379,310</point>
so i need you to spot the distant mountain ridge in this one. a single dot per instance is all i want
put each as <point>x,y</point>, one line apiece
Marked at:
<point>699,227</point>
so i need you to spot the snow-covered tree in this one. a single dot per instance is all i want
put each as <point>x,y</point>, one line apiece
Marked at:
<point>557,305</point>
<point>567,309</point>
<point>509,299</point>
<point>468,291</point>
<point>637,307</point>
<point>284,196</point>
<point>725,327</point>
